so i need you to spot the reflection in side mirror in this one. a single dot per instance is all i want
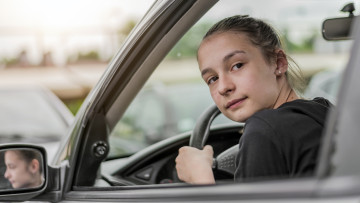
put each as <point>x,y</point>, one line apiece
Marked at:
<point>338,28</point>
<point>21,168</point>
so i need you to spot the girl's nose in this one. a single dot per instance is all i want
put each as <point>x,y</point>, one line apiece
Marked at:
<point>226,86</point>
<point>6,174</point>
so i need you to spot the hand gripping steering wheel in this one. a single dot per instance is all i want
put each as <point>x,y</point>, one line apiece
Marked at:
<point>225,161</point>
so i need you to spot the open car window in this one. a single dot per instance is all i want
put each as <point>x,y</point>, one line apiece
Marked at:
<point>169,104</point>
<point>175,95</point>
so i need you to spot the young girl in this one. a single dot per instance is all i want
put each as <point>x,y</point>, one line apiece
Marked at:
<point>247,71</point>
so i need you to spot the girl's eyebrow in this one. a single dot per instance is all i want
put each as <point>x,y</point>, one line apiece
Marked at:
<point>231,54</point>
<point>206,70</point>
<point>225,59</point>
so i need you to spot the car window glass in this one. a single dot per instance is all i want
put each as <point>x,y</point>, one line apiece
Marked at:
<point>175,95</point>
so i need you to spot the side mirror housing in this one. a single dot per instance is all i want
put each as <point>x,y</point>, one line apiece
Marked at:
<point>24,173</point>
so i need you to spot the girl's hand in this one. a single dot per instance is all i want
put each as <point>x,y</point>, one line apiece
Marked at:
<point>195,166</point>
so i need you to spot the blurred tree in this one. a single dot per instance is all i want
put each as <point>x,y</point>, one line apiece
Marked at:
<point>9,62</point>
<point>125,30</point>
<point>188,45</point>
<point>91,55</point>
<point>81,57</point>
<point>23,59</point>
<point>20,61</point>
<point>303,46</point>
<point>47,59</point>
<point>129,25</point>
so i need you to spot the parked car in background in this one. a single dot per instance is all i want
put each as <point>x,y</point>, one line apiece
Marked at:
<point>324,84</point>
<point>84,170</point>
<point>33,115</point>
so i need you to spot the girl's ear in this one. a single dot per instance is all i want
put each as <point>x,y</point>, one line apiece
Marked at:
<point>281,63</point>
<point>34,166</point>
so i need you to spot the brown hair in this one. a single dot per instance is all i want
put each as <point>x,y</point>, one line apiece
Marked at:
<point>28,155</point>
<point>264,36</point>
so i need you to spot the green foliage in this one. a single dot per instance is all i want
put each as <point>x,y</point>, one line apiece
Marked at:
<point>10,62</point>
<point>74,105</point>
<point>306,45</point>
<point>188,45</point>
<point>126,29</point>
<point>91,55</point>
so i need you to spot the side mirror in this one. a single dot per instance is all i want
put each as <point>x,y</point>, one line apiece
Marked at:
<point>23,172</point>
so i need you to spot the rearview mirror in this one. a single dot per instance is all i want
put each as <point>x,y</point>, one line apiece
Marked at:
<point>337,28</point>
<point>21,168</point>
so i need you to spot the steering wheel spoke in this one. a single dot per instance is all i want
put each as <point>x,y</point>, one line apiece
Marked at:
<point>225,161</point>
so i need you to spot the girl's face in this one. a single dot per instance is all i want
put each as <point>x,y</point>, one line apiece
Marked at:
<point>18,172</point>
<point>240,80</point>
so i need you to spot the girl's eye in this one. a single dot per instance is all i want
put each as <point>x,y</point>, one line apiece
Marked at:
<point>237,66</point>
<point>212,80</point>
<point>11,167</point>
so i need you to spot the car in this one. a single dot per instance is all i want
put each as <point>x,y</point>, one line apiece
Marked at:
<point>33,114</point>
<point>82,170</point>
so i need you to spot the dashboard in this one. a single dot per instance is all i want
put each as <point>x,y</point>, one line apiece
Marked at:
<point>156,164</point>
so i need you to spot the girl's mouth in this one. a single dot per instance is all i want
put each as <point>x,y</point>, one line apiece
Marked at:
<point>235,103</point>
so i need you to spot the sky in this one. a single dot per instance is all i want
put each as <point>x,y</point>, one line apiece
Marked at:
<point>45,24</point>
<point>66,27</point>
<point>65,12</point>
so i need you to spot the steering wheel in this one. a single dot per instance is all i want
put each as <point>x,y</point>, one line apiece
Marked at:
<point>225,161</point>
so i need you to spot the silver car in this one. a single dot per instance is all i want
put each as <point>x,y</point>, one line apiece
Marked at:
<point>83,171</point>
<point>33,115</point>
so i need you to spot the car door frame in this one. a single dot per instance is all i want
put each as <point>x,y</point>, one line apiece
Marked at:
<point>146,46</point>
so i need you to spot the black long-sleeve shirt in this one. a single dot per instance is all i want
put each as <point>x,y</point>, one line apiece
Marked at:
<point>282,142</point>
